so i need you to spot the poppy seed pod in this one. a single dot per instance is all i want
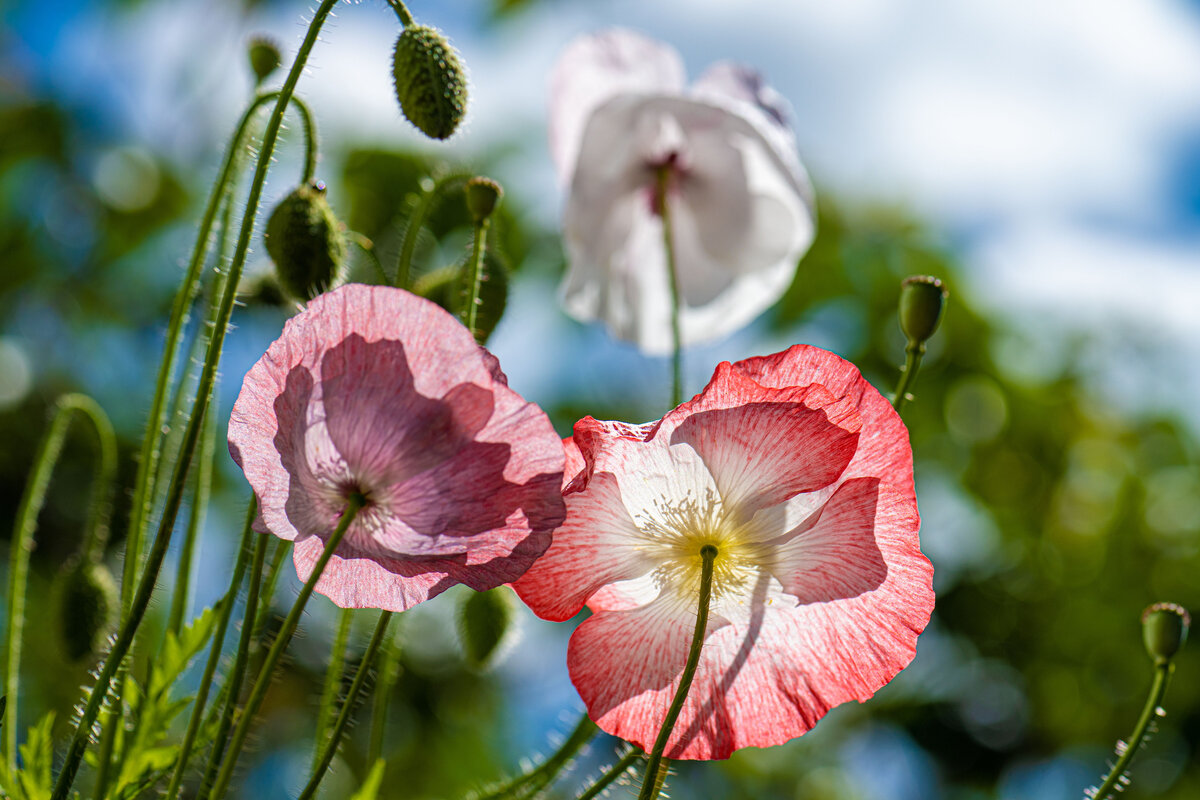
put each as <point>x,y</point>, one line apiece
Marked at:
<point>264,57</point>
<point>304,239</point>
<point>921,301</point>
<point>87,608</point>
<point>1164,630</point>
<point>483,194</point>
<point>431,84</point>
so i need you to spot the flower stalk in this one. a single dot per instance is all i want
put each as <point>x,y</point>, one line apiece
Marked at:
<point>651,785</point>
<point>663,186</point>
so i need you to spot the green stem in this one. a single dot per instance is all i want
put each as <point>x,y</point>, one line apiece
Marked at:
<point>912,362</point>
<point>471,307</point>
<point>389,671</point>
<point>416,223</point>
<point>267,596</point>
<point>232,688</point>
<point>162,538</point>
<point>1162,676</point>
<point>368,247</point>
<point>541,776</point>
<point>333,680</point>
<point>259,691</point>
<point>21,544</point>
<point>650,783</point>
<point>214,655</point>
<point>615,771</point>
<point>151,452</point>
<point>348,706</point>
<point>406,19</point>
<point>201,491</point>
<point>664,211</point>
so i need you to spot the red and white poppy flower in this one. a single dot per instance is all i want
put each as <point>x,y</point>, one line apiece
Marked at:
<point>741,204</point>
<point>375,391</point>
<point>800,474</point>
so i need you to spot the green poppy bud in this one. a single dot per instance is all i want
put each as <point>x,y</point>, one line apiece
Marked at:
<point>264,57</point>
<point>431,84</point>
<point>304,239</point>
<point>483,194</point>
<point>484,620</point>
<point>921,301</point>
<point>87,608</point>
<point>1164,630</point>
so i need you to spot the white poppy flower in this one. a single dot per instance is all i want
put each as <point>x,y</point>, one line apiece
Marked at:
<point>740,203</point>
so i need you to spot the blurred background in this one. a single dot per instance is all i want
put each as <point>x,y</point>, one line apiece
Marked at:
<point>1043,159</point>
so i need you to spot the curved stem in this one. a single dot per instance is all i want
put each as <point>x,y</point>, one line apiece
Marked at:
<point>214,655</point>
<point>333,681</point>
<point>259,691</point>
<point>1162,676</point>
<point>664,211</point>
<point>406,19</point>
<point>267,596</point>
<point>201,491</point>
<point>471,307</point>
<point>348,707</point>
<point>912,362</point>
<point>615,771</point>
<point>542,775</point>
<point>420,214</point>
<point>368,247</point>
<point>21,544</point>
<point>650,783</point>
<point>233,681</point>
<point>151,451</point>
<point>162,538</point>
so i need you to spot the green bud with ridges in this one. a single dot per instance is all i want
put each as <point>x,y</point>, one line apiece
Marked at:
<point>264,57</point>
<point>921,300</point>
<point>431,84</point>
<point>305,241</point>
<point>1164,630</point>
<point>87,608</point>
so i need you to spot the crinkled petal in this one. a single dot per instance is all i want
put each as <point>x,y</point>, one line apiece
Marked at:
<point>883,450</point>
<point>594,68</point>
<point>765,678</point>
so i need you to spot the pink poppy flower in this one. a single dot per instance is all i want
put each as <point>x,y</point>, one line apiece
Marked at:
<point>741,204</point>
<point>800,474</point>
<point>374,390</point>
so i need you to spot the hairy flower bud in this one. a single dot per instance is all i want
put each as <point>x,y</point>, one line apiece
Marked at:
<point>1164,630</point>
<point>921,301</point>
<point>431,84</point>
<point>304,239</point>
<point>484,621</point>
<point>483,194</point>
<point>87,608</point>
<point>264,57</point>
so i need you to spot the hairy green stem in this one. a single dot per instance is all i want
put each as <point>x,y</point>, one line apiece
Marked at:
<point>21,544</point>
<point>650,783</point>
<point>541,776</point>
<point>406,19</point>
<point>471,307</point>
<point>348,707</point>
<point>333,681</point>
<point>389,671</point>
<point>232,688</point>
<point>174,495</point>
<point>615,771</point>
<point>259,691</point>
<point>1158,689</point>
<point>214,655</point>
<point>913,353</point>
<point>664,212</point>
<point>421,212</point>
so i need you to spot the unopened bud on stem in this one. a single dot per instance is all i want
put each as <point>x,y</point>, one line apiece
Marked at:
<point>921,301</point>
<point>1164,630</point>
<point>431,84</point>
<point>264,57</point>
<point>305,241</point>
<point>87,608</point>
<point>483,195</point>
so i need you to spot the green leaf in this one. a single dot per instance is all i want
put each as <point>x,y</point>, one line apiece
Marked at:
<point>37,758</point>
<point>493,294</point>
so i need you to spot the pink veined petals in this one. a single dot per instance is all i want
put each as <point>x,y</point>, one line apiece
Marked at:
<point>788,466</point>
<point>741,204</point>
<point>374,391</point>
